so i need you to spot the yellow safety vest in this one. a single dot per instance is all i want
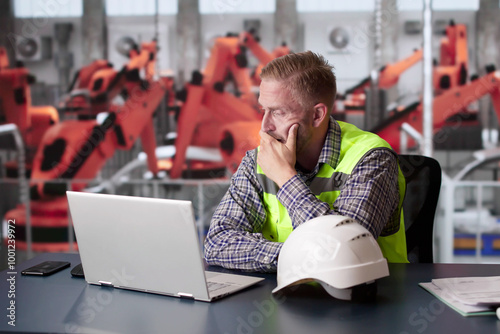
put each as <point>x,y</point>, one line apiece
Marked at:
<point>326,186</point>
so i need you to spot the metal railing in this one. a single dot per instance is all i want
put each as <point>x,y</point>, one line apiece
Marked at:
<point>446,229</point>
<point>113,185</point>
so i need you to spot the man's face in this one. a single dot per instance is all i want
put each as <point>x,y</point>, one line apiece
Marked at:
<point>281,112</point>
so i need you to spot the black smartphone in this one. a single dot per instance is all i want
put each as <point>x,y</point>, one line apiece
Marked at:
<point>77,271</point>
<point>46,268</point>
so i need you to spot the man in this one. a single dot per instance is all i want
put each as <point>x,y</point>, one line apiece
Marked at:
<point>307,165</point>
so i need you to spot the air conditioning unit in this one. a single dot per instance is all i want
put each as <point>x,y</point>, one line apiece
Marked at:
<point>338,39</point>
<point>34,48</point>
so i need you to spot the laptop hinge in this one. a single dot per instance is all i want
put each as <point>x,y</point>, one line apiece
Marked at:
<point>185,295</point>
<point>104,283</point>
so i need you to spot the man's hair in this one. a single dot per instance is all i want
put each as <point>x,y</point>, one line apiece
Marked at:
<point>307,75</point>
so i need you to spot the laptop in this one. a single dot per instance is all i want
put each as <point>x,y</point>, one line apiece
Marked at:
<point>146,244</point>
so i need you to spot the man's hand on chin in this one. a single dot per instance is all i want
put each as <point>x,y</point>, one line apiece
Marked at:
<point>277,159</point>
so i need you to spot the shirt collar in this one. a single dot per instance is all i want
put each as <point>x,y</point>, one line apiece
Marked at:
<point>330,152</point>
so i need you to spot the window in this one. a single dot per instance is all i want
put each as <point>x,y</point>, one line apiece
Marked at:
<point>48,8</point>
<point>236,6</point>
<point>369,5</point>
<point>335,6</point>
<point>138,8</point>
<point>409,5</point>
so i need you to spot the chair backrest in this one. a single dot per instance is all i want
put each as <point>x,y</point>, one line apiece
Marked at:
<point>423,183</point>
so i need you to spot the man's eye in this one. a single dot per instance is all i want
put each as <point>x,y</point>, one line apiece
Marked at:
<point>277,112</point>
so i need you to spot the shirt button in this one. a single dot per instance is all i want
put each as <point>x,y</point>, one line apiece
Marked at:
<point>266,258</point>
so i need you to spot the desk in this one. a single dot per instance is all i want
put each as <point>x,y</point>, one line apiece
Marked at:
<point>60,303</point>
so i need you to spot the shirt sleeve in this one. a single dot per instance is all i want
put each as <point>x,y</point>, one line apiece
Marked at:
<point>232,240</point>
<point>370,195</point>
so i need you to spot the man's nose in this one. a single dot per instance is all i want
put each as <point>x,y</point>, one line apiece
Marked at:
<point>267,124</point>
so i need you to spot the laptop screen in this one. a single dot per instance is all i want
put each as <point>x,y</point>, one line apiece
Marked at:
<point>147,244</point>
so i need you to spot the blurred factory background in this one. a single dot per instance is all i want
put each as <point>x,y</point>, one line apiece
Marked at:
<point>158,98</point>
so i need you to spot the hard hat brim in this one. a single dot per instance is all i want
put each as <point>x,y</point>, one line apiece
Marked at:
<point>343,278</point>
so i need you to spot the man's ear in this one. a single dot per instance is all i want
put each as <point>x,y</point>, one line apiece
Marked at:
<point>320,113</point>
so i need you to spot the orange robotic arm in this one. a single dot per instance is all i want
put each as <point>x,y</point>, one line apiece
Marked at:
<point>79,149</point>
<point>82,77</point>
<point>446,105</point>
<point>4,58</point>
<point>388,74</point>
<point>144,59</point>
<point>187,122</point>
<point>228,57</point>
<point>210,116</point>
<point>205,114</point>
<point>100,83</point>
<point>15,98</point>
<point>249,40</point>
<point>135,119</point>
<point>15,107</point>
<point>453,65</point>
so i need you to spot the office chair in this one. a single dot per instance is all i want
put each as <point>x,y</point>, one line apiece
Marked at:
<point>423,183</point>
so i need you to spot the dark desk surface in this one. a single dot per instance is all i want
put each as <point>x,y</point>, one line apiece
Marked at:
<point>60,303</point>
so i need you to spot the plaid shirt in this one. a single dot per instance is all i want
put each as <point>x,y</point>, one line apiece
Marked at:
<point>370,195</point>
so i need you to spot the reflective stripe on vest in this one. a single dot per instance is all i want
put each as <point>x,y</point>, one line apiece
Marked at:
<point>326,186</point>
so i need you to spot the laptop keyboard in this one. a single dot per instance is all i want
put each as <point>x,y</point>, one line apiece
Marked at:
<point>213,286</point>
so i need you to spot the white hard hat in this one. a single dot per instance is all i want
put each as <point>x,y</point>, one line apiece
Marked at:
<point>333,250</point>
